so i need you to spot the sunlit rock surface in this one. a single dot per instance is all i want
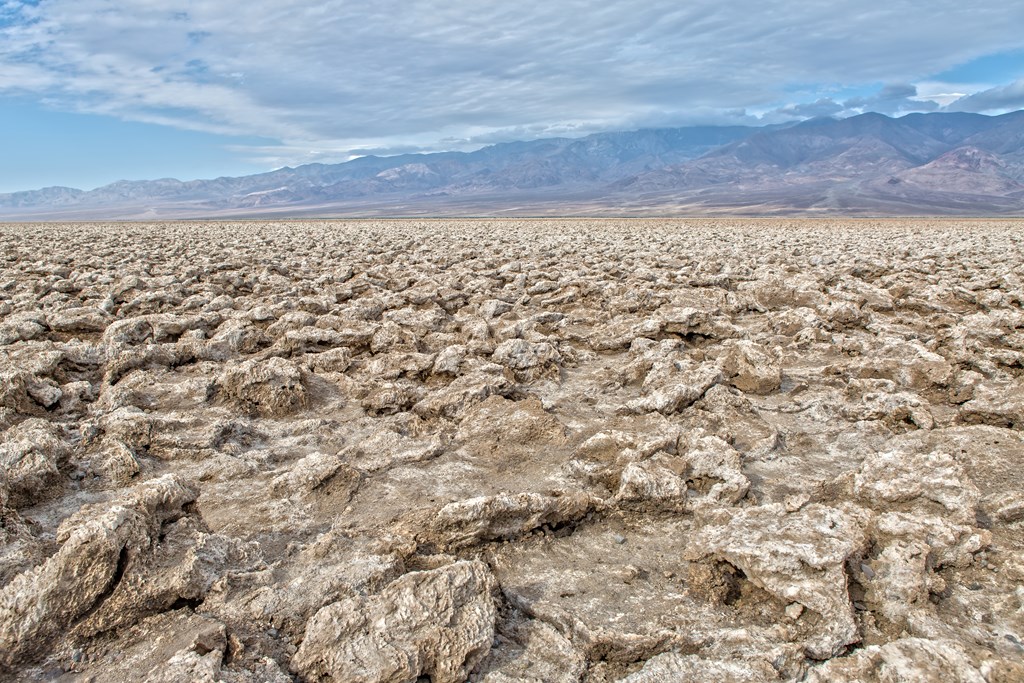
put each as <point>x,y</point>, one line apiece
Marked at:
<point>510,451</point>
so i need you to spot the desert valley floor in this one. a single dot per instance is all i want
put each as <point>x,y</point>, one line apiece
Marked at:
<point>512,451</point>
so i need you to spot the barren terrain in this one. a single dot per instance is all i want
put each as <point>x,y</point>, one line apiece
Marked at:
<point>934,164</point>
<point>512,451</point>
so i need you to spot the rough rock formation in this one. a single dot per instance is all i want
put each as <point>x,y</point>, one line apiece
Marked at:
<point>438,623</point>
<point>901,661</point>
<point>503,451</point>
<point>99,552</point>
<point>270,387</point>
<point>799,557</point>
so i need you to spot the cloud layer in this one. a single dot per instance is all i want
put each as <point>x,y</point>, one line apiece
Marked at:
<point>331,77</point>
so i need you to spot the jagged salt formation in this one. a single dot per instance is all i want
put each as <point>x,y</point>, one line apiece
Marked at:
<point>512,451</point>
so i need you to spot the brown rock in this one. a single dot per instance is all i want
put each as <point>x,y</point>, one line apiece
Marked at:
<point>438,623</point>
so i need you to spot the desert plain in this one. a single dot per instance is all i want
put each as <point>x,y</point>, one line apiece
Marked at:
<point>511,451</point>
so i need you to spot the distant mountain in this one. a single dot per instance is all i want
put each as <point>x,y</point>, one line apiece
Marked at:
<point>965,169</point>
<point>932,164</point>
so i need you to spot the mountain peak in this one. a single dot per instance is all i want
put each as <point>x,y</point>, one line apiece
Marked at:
<point>969,159</point>
<point>872,163</point>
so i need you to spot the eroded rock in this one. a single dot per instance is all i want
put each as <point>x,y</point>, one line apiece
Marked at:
<point>687,450</point>
<point>506,516</point>
<point>438,623</point>
<point>96,548</point>
<point>797,556</point>
<point>33,454</point>
<point>901,661</point>
<point>269,388</point>
<point>751,368</point>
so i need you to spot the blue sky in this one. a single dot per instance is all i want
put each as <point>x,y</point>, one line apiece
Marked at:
<point>93,91</point>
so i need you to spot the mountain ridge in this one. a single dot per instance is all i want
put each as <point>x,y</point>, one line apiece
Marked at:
<point>867,164</point>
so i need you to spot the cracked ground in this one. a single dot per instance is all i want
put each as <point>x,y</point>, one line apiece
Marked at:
<point>510,451</point>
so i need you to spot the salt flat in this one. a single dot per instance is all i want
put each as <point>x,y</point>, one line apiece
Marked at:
<point>512,450</point>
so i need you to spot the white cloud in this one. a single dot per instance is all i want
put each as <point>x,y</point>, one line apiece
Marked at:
<point>995,100</point>
<point>895,98</point>
<point>338,76</point>
<point>26,77</point>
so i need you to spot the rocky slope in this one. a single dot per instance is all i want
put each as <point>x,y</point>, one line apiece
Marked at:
<point>918,164</point>
<point>512,451</point>
<point>934,164</point>
<point>508,169</point>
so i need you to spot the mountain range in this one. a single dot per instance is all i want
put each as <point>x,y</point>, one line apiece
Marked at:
<point>871,164</point>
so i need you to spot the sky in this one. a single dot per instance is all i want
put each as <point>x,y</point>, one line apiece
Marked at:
<point>93,91</point>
